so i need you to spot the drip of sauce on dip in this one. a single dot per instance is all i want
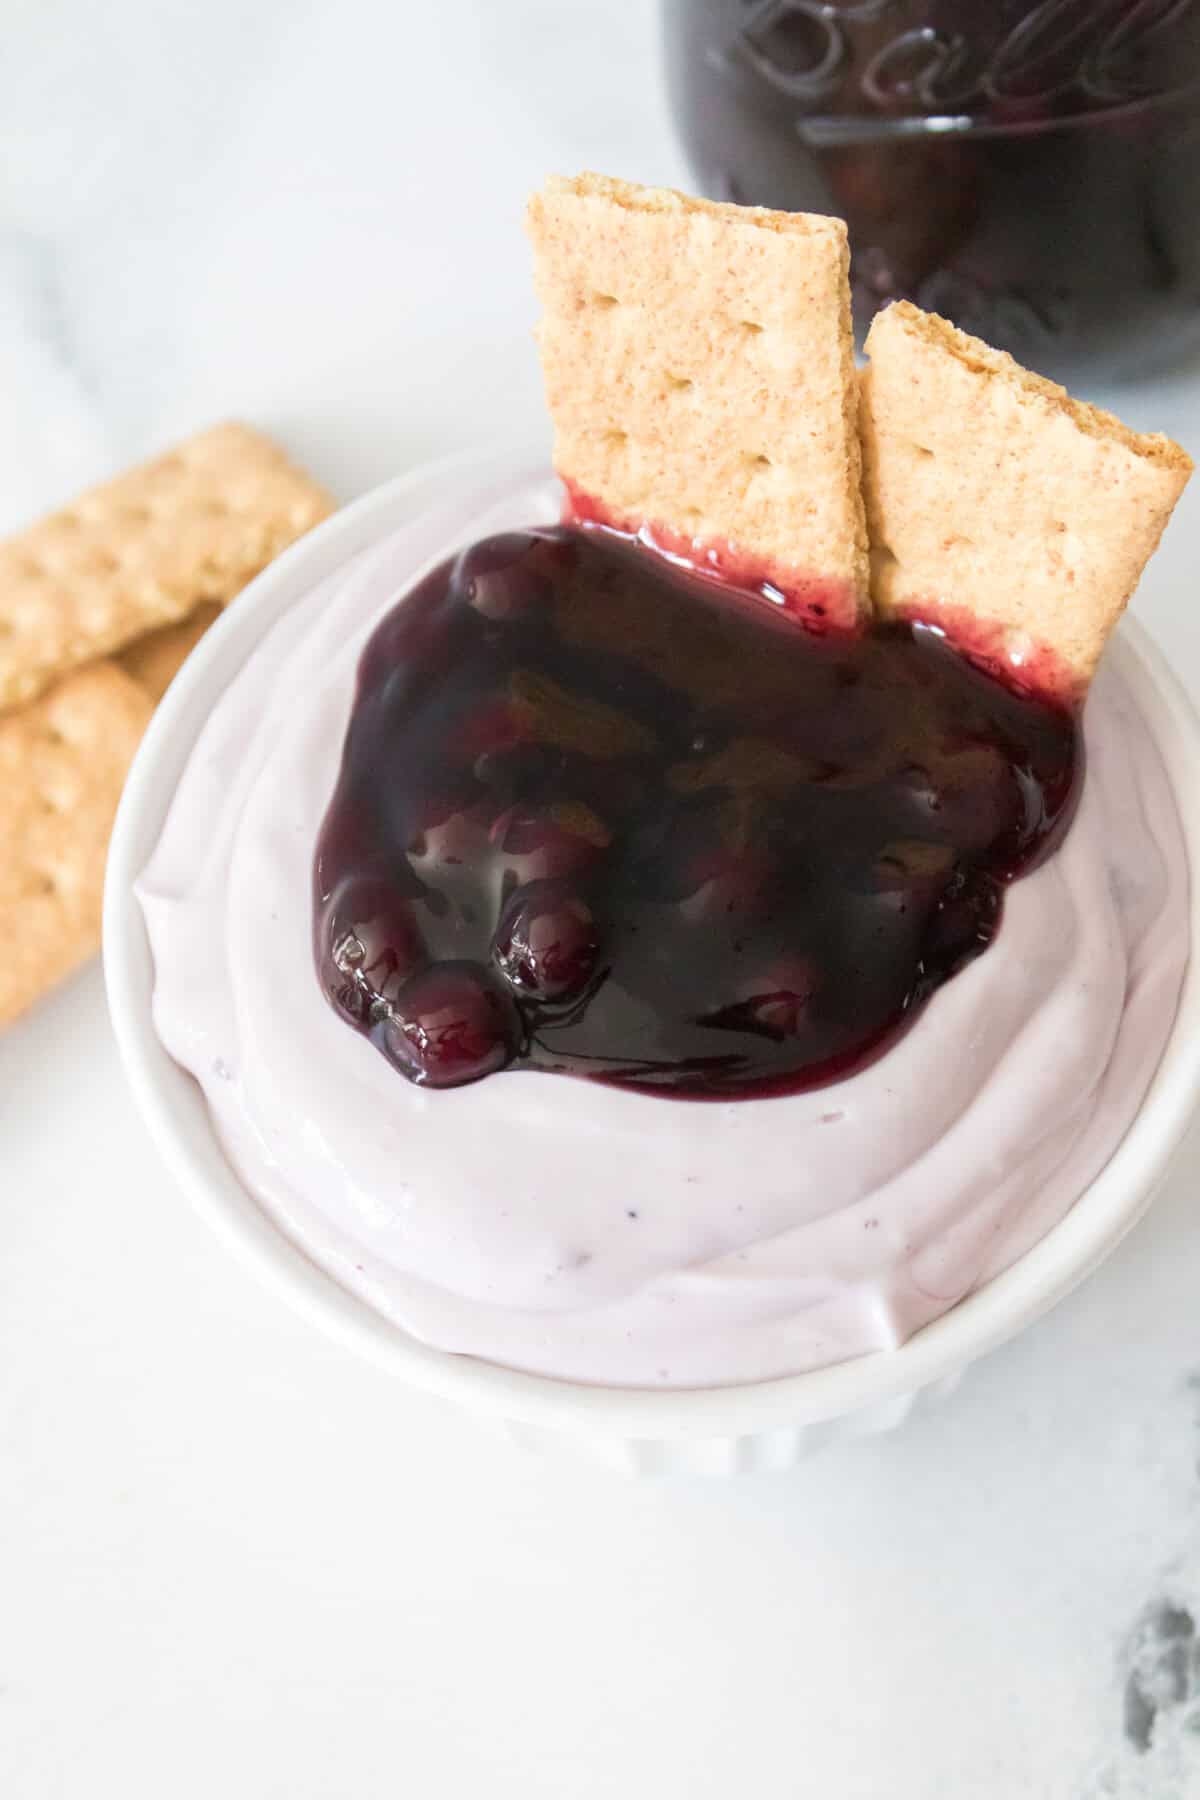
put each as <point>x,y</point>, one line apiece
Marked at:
<point>603,815</point>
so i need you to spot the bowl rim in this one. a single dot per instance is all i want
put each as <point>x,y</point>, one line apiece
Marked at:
<point>171,1103</point>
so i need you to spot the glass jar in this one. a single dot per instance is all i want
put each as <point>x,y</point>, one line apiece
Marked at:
<point>1030,171</point>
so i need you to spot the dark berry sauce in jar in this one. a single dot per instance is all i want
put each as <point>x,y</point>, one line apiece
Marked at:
<point>1030,171</point>
<point>602,815</point>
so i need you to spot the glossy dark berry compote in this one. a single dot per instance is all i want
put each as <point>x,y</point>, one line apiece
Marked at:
<point>600,815</point>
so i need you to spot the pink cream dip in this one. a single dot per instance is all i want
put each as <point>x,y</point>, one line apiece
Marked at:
<point>573,1229</point>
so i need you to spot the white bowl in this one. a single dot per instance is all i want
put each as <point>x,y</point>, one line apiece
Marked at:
<point>769,1424</point>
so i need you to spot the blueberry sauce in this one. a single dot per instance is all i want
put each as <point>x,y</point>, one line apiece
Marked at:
<point>603,816</point>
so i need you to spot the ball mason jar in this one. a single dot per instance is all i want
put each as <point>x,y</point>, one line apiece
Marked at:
<point>1030,171</point>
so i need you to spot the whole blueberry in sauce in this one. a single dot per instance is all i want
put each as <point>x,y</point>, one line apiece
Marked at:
<point>599,815</point>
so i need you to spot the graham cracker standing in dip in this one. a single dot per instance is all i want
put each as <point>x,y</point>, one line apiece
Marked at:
<point>1015,517</point>
<point>699,369</point>
<point>699,374</point>
<point>99,605</point>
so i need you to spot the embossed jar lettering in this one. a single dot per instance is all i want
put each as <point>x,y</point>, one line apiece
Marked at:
<point>1093,49</point>
<point>1134,60</point>
<point>1033,171</point>
<point>922,65</point>
<point>796,46</point>
<point>1044,54</point>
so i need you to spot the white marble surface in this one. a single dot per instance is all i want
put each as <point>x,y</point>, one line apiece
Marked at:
<point>232,1560</point>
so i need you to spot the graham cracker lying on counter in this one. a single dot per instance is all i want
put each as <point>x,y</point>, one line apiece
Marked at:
<point>156,659</point>
<point>144,550</point>
<point>63,761</point>
<point>100,604</point>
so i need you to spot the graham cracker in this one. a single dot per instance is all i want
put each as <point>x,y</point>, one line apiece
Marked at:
<point>699,370</point>
<point>63,760</point>
<point>154,660</point>
<point>992,494</point>
<point>144,551</point>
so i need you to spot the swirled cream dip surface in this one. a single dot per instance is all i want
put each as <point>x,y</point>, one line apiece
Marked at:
<point>584,1231</point>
